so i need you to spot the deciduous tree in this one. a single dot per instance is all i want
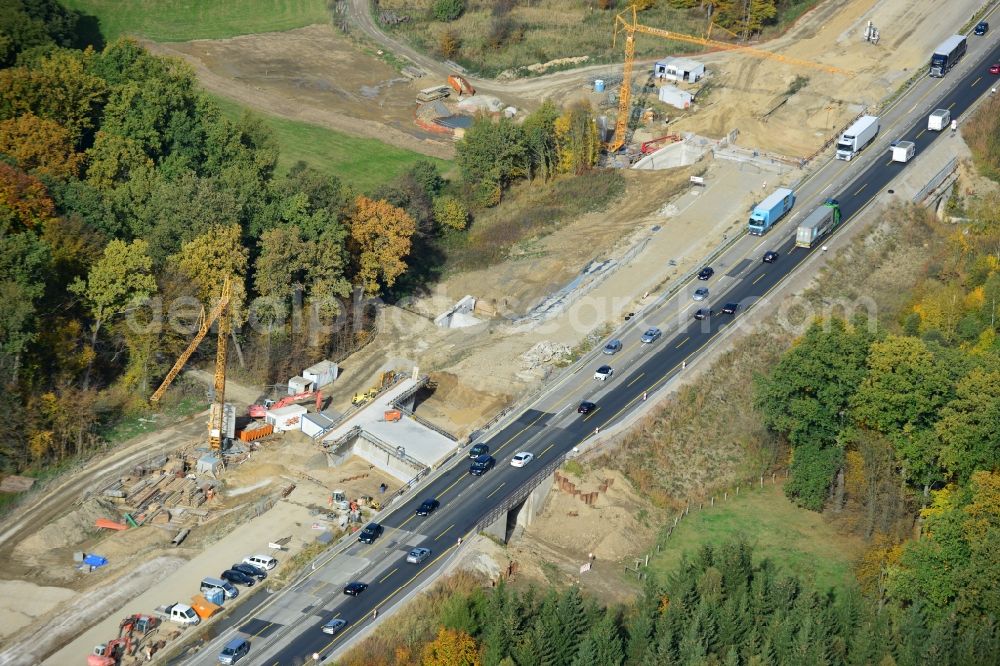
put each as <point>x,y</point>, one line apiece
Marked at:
<point>450,213</point>
<point>380,239</point>
<point>40,145</point>
<point>451,648</point>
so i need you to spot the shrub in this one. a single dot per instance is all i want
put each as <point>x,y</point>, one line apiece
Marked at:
<point>451,213</point>
<point>448,10</point>
<point>449,43</point>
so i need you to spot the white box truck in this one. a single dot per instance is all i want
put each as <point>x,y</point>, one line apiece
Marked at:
<point>902,151</point>
<point>938,120</point>
<point>857,136</point>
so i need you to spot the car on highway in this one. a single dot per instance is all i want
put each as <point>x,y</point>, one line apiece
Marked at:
<point>702,313</point>
<point>700,294</point>
<point>334,625</point>
<point>427,507</point>
<point>995,68</point>
<point>730,308</point>
<point>706,273</point>
<point>418,555</point>
<point>586,407</point>
<point>770,257</point>
<point>355,588</point>
<point>237,578</point>
<point>371,532</point>
<point>250,570</point>
<point>604,373</point>
<point>521,459</point>
<point>981,28</point>
<point>481,465</point>
<point>613,347</point>
<point>235,650</point>
<point>479,450</point>
<point>651,335</point>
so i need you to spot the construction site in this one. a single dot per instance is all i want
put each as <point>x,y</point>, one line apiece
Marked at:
<point>315,457</point>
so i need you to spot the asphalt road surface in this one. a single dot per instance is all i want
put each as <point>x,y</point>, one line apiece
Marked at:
<point>289,632</point>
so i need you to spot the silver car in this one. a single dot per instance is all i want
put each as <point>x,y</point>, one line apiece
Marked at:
<point>334,625</point>
<point>700,294</point>
<point>652,335</point>
<point>418,555</point>
<point>613,347</point>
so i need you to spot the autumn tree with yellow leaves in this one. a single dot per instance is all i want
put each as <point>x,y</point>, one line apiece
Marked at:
<point>380,240</point>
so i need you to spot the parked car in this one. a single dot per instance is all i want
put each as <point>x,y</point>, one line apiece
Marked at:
<point>730,308</point>
<point>418,555</point>
<point>234,650</point>
<point>521,459</point>
<point>586,407</point>
<point>604,373</point>
<point>613,347</point>
<point>355,588</point>
<point>770,257</point>
<point>706,273</point>
<point>237,577</point>
<point>481,465</point>
<point>250,570</point>
<point>651,335</point>
<point>981,28</point>
<point>334,625</point>
<point>702,313</point>
<point>371,532</point>
<point>479,450</point>
<point>427,507</point>
<point>700,294</point>
<point>261,561</point>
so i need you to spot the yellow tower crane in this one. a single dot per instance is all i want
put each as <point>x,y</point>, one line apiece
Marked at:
<point>221,313</point>
<point>623,24</point>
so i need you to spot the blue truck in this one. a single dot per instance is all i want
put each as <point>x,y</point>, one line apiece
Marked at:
<point>770,210</point>
<point>947,54</point>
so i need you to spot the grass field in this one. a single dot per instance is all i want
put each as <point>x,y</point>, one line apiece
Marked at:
<point>362,163</point>
<point>181,20</point>
<point>798,541</point>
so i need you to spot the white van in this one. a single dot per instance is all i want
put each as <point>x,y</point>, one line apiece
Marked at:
<point>265,562</point>
<point>209,584</point>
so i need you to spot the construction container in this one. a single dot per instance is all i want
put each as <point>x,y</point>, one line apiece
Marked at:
<point>285,418</point>
<point>322,373</point>
<point>298,385</point>
<point>315,424</point>
<point>393,415</point>
<point>209,603</point>
<point>599,85</point>
<point>256,433</point>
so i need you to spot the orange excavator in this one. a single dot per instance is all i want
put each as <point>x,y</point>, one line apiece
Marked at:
<point>258,411</point>
<point>110,653</point>
<point>461,85</point>
<point>653,145</point>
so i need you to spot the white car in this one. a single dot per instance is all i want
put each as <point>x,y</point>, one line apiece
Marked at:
<point>603,373</point>
<point>521,459</point>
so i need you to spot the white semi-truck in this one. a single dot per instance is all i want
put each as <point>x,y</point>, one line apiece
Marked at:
<point>856,137</point>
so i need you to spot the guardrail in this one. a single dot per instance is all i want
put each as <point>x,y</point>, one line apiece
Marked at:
<point>936,181</point>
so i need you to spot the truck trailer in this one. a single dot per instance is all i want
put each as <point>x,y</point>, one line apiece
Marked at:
<point>938,120</point>
<point>947,55</point>
<point>856,137</point>
<point>770,210</point>
<point>820,222</point>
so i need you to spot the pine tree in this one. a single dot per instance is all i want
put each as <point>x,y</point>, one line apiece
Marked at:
<point>548,632</point>
<point>911,636</point>
<point>572,624</point>
<point>607,642</point>
<point>640,636</point>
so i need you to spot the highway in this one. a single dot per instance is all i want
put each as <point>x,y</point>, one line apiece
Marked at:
<point>286,629</point>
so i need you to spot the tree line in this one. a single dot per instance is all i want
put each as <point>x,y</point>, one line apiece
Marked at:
<point>720,607</point>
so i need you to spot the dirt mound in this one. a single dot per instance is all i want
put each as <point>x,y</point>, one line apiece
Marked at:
<point>73,529</point>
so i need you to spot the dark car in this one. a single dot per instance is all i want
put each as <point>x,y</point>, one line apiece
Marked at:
<point>479,450</point>
<point>234,650</point>
<point>613,347</point>
<point>706,273</point>
<point>770,257</point>
<point>237,578</point>
<point>730,308</point>
<point>981,28</point>
<point>371,532</point>
<point>249,570</point>
<point>427,507</point>
<point>702,313</point>
<point>586,407</point>
<point>354,589</point>
<point>481,465</point>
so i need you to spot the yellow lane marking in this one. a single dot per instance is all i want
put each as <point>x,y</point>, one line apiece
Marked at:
<point>860,188</point>
<point>636,379</point>
<point>386,577</point>
<point>681,344</point>
<point>546,449</point>
<point>496,490</point>
<point>758,278</point>
<point>445,531</point>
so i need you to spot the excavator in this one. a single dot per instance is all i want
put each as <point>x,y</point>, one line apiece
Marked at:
<point>461,85</point>
<point>110,653</point>
<point>258,411</point>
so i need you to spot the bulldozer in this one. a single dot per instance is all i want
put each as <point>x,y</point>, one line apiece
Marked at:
<point>363,397</point>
